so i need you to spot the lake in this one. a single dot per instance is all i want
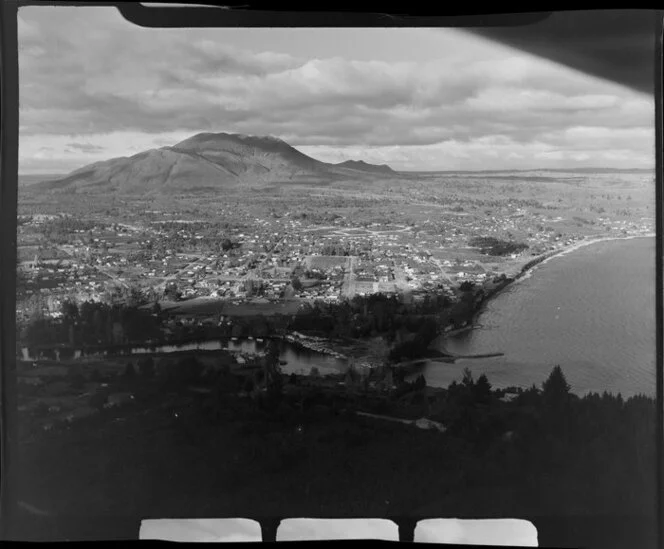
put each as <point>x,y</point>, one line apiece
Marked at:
<point>591,311</point>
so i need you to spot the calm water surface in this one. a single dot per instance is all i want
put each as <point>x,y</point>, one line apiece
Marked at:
<point>592,311</point>
<point>297,359</point>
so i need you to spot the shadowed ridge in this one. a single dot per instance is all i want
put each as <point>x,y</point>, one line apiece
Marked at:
<point>365,166</point>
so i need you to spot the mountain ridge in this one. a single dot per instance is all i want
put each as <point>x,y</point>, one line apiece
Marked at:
<point>365,166</point>
<point>209,161</point>
<point>206,160</point>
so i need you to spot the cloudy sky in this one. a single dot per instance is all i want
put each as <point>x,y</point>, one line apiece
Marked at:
<point>93,87</point>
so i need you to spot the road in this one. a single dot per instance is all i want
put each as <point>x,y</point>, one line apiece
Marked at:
<point>349,276</point>
<point>442,271</point>
<point>178,273</point>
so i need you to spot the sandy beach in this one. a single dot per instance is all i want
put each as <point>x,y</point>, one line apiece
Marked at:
<point>524,273</point>
<point>583,243</point>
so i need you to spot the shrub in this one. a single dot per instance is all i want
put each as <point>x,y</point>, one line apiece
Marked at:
<point>130,371</point>
<point>185,371</point>
<point>146,367</point>
<point>78,382</point>
<point>98,399</point>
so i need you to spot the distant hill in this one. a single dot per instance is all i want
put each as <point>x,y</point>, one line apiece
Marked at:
<point>32,178</point>
<point>206,161</point>
<point>364,166</point>
<point>525,172</point>
<point>601,170</point>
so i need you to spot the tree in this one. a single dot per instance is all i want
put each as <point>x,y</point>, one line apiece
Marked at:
<point>297,284</point>
<point>21,279</point>
<point>134,296</point>
<point>426,408</point>
<point>172,292</point>
<point>272,371</point>
<point>466,286</point>
<point>420,383</point>
<point>556,390</point>
<point>467,379</point>
<point>130,371</point>
<point>146,367</point>
<point>78,382</point>
<point>69,311</point>
<point>187,370</point>
<point>482,390</point>
<point>99,399</point>
<point>253,286</point>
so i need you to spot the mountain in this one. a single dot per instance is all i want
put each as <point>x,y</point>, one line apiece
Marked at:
<point>204,161</point>
<point>365,167</point>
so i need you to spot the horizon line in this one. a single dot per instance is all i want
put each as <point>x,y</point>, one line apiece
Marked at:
<point>431,171</point>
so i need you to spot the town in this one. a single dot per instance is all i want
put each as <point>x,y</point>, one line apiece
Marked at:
<point>167,256</point>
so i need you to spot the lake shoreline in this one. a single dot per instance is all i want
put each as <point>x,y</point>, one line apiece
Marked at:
<point>563,316</point>
<point>528,269</point>
<point>583,243</point>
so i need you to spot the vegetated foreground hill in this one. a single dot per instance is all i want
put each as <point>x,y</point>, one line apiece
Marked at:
<point>206,161</point>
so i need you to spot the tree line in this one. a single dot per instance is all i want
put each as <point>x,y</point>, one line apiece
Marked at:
<point>371,315</point>
<point>495,246</point>
<point>93,324</point>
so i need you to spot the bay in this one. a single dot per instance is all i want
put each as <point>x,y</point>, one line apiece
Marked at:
<point>591,311</point>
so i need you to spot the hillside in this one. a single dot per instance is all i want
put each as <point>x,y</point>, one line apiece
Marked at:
<point>206,161</point>
<point>366,167</point>
<point>25,180</point>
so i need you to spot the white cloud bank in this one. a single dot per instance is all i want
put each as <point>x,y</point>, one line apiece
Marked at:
<point>420,99</point>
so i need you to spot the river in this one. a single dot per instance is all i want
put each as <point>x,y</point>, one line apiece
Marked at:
<point>591,311</point>
<point>297,359</point>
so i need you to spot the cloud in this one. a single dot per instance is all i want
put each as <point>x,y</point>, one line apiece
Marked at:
<point>84,147</point>
<point>54,154</point>
<point>86,72</point>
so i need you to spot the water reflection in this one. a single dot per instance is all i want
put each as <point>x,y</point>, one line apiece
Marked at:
<point>293,358</point>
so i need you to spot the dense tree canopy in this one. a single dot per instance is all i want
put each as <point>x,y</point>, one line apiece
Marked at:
<point>494,246</point>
